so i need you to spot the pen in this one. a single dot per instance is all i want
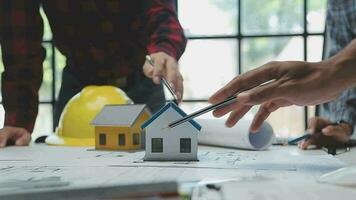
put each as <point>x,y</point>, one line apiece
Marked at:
<point>305,136</point>
<point>165,82</point>
<point>226,102</point>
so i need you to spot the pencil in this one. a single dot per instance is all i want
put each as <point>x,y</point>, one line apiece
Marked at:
<point>165,82</point>
<point>226,102</point>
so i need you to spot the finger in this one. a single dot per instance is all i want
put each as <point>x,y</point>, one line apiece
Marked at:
<point>332,130</point>
<point>306,143</point>
<point>264,111</point>
<point>236,115</point>
<point>228,108</point>
<point>264,93</point>
<point>172,75</point>
<point>180,88</point>
<point>147,70</point>
<point>338,132</point>
<point>159,68</point>
<point>23,140</point>
<point>3,139</point>
<point>246,81</point>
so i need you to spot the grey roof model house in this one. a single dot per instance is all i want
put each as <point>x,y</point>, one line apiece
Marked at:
<point>118,127</point>
<point>170,144</point>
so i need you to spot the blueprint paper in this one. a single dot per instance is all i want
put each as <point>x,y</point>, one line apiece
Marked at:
<point>214,132</point>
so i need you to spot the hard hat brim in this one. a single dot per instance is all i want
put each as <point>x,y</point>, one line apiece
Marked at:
<point>68,141</point>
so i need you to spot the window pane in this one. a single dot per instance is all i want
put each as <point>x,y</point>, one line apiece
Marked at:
<point>2,115</point>
<point>316,15</point>
<point>271,16</point>
<point>185,145</point>
<point>311,111</point>
<point>208,65</point>
<point>102,139</point>
<point>135,139</point>
<point>47,33</point>
<point>43,125</point>
<point>208,17</point>
<point>258,51</point>
<point>46,87</point>
<point>315,48</point>
<point>121,139</point>
<point>288,121</point>
<point>60,63</point>
<point>157,145</point>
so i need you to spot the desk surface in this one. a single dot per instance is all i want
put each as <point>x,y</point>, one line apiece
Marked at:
<point>41,167</point>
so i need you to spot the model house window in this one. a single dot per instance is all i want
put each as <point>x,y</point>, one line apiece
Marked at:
<point>102,139</point>
<point>157,145</point>
<point>121,139</point>
<point>185,145</point>
<point>135,139</point>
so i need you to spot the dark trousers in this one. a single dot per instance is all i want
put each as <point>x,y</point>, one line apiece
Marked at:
<point>141,91</point>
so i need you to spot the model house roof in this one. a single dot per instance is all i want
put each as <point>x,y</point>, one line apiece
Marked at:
<point>163,109</point>
<point>119,115</point>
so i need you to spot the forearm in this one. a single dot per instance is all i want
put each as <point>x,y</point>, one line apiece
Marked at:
<point>21,29</point>
<point>164,30</point>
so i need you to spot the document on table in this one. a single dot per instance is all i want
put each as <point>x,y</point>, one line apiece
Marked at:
<point>52,167</point>
<point>214,132</point>
<point>272,189</point>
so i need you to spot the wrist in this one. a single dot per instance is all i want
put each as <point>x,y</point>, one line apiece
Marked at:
<point>340,72</point>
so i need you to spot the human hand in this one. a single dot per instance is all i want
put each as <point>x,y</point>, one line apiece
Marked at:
<point>325,133</point>
<point>291,83</point>
<point>165,66</point>
<point>10,135</point>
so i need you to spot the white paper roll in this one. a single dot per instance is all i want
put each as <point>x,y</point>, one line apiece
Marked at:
<point>214,132</point>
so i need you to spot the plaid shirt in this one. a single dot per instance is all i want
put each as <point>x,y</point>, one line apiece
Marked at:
<point>340,31</point>
<point>100,39</point>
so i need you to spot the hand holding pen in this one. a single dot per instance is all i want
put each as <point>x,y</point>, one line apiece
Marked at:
<point>322,132</point>
<point>162,67</point>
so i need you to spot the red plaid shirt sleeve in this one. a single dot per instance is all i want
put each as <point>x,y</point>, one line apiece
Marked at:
<point>166,33</point>
<point>21,30</point>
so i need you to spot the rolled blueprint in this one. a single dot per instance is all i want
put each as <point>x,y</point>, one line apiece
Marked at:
<point>214,132</point>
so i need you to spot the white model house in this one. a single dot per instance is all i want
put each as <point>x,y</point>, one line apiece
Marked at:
<point>168,144</point>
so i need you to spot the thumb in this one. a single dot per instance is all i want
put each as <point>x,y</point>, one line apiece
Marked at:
<point>23,139</point>
<point>3,139</point>
<point>147,70</point>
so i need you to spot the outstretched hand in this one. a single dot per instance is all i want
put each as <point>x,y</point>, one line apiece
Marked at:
<point>290,83</point>
<point>324,133</point>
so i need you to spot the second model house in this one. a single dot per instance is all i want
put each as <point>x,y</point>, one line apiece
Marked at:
<point>168,144</point>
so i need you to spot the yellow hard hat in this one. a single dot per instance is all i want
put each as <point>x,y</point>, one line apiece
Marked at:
<point>74,127</point>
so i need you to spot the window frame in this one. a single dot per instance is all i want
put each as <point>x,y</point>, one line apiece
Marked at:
<point>121,139</point>
<point>239,36</point>
<point>154,148</point>
<point>183,145</point>
<point>136,139</point>
<point>102,139</point>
